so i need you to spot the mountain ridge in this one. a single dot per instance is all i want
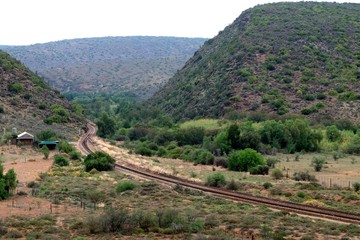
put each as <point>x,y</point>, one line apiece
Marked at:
<point>300,58</point>
<point>81,65</point>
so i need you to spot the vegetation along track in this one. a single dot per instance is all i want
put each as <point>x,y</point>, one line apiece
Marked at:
<point>226,194</point>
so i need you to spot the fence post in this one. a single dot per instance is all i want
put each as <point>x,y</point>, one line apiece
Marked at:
<point>330,183</point>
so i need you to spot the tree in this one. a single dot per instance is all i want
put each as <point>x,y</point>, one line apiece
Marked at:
<point>245,159</point>
<point>106,126</point>
<point>10,180</point>
<point>222,142</point>
<point>318,163</point>
<point>95,196</point>
<point>356,186</point>
<point>45,150</point>
<point>98,160</point>
<point>46,135</point>
<point>233,134</point>
<point>333,133</point>
<point>4,194</point>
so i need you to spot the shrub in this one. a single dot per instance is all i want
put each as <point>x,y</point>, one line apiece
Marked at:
<point>33,184</point>
<point>353,146</point>
<point>99,160</point>
<point>232,185</point>
<point>15,87</point>
<point>215,180</point>
<point>125,186</point>
<point>318,163</point>
<point>356,186</point>
<point>45,150</point>
<point>143,150</point>
<point>259,170</point>
<point>333,133</point>
<point>75,155</point>
<point>300,194</point>
<point>270,162</point>
<point>46,135</point>
<point>245,159</point>
<point>267,185</point>
<point>202,156</point>
<point>61,160</point>
<point>2,109</point>
<point>161,151</point>
<point>277,173</point>
<point>65,147</point>
<point>304,176</point>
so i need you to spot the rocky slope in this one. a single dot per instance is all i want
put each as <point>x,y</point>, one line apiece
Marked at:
<point>301,58</point>
<point>27,103</point>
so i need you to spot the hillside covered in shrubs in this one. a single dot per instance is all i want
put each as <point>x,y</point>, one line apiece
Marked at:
<point>30,104</point>
<point>279,58</point>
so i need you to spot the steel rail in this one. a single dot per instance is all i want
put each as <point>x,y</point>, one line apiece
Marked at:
<point>227,194</point>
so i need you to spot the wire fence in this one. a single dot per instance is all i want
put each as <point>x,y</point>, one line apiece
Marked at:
<point>335,182</point>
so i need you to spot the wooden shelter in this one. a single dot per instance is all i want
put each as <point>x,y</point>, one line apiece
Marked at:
<point>25,138</point>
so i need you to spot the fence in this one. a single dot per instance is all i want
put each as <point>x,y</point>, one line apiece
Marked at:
<point>335,181</point>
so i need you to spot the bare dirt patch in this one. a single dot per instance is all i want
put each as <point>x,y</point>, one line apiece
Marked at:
<point>27,164</point>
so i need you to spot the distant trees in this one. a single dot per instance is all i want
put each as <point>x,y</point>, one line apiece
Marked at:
<point>46,135</point>
<point>106,126</point>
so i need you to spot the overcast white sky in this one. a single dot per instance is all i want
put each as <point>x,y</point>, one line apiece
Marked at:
<point>26,22</point>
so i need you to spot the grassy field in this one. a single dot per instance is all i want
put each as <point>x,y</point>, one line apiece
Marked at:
<point>208,124</point>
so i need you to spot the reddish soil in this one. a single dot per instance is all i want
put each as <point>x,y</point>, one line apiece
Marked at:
<point>27,164</point>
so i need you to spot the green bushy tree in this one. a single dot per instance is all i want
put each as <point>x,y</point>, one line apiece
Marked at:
<point>245,159</point>
<point>99,160</point>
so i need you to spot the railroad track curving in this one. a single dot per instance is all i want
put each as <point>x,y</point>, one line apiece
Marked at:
<point>324,213</point>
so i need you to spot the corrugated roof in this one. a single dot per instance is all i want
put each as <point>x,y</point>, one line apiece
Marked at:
<point>25,135</point>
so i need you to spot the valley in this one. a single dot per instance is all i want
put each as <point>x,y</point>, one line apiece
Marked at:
<point>253,134</point>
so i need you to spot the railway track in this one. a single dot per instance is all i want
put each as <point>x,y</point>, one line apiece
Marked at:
<point>226,194</point>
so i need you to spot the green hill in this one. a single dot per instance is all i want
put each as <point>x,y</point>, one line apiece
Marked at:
<point>139,65</point>
<point>27,103</point>
<point>301,58</point>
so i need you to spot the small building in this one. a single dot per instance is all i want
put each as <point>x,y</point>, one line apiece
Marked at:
<point>25,138</point>
<point>50,144</point>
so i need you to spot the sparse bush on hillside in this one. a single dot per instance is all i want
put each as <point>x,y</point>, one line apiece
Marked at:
<point>125,186</point>
<point>16,87</point>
